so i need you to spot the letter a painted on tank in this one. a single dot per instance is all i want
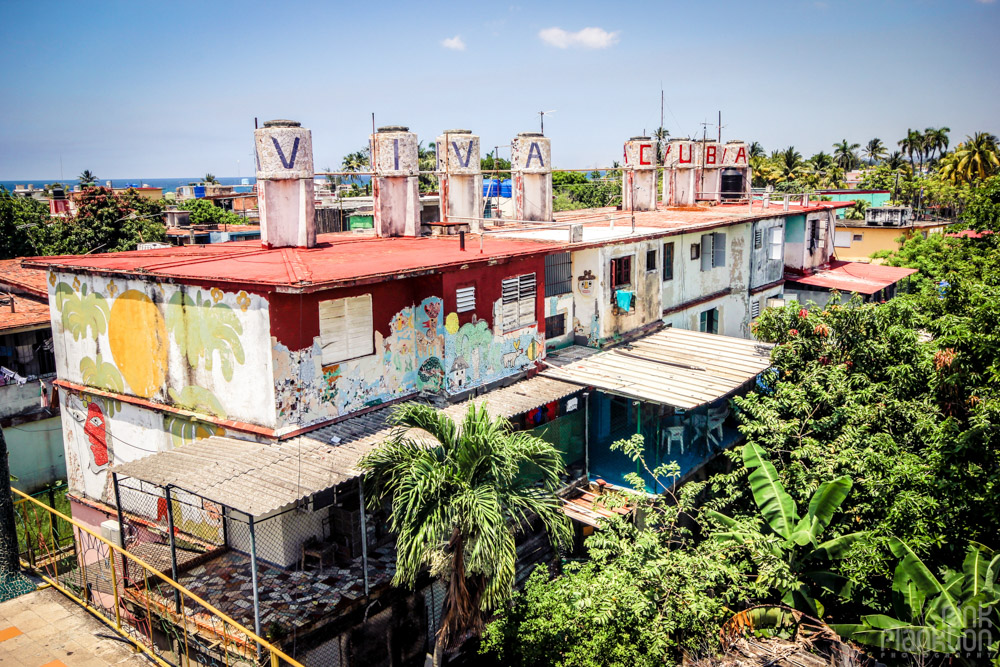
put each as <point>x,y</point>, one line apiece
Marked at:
<point>533,152</point>
<point>741,155</point>
<point>395,152</point>
<point>458,153</point>
<point>287,164</point>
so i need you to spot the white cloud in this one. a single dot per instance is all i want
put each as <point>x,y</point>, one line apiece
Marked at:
<point>986,2</point>
<point>588,38</point>
<point>454,43</point>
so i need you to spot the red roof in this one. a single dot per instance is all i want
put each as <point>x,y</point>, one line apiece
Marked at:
<point>857,277</point>
<point>970,233</point>
<point>343,258</point>
<point>29,312</point>
<point>17,276</point>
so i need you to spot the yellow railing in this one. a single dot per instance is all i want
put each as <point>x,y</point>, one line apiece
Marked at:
<point>161,618</point>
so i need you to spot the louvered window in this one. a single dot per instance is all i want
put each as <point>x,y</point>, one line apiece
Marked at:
<point>518,301</point>
<point>465,299</point>
<point>713,250</point>
<point>346,328</point>
<point>754,309</point>
<point>758,238</point>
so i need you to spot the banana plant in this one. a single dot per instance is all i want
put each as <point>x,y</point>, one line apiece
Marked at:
<point>951,615</point>
<point>796,544</point>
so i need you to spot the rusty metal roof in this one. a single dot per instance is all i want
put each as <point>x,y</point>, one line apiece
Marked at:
<point>860,277</point>
<point>258,479</point>
<point>675,367</point>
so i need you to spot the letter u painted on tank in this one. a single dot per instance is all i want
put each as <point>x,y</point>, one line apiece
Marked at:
<point>458,153</point>
<point>290,163</point>
<point>534,151</point>
<point>680,154</point>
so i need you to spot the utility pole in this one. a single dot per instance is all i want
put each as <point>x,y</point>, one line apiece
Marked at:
<point>720,126</point>
<point>12,582</point>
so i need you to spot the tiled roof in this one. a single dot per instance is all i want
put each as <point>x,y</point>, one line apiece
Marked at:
<point>29,313</point>
<point>30,280</point>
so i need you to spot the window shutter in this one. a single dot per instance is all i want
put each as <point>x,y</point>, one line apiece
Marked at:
<point>526,299</point>
<point>465,299</point>
<point>754,308</point>
<point>719,249</point>
<point>346,328</point>
<point>509,289</point>
<point>706,252</point>
<point>758,238</point>
<point>777,235</point>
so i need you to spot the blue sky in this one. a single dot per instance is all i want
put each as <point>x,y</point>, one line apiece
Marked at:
<point>145,90</point>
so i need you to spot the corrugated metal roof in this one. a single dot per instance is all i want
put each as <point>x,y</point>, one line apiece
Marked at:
<point>675,367</point>
<point>860,277</point>
<point>261,478</point>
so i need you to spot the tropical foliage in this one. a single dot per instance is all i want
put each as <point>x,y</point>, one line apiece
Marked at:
<point>17,216</point>
<point>575,190</point>
<point>457,500</point>
<point>204,212</point>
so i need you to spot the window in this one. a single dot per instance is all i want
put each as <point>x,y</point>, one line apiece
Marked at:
<point>777,237</point>
<point>346,328</point>
<point>709,321</point>
<point>814,227</point>
<point>558,274</point>
<point>695,250</point>
<point>651,260</point>
<point>713,250</point>
<point>668,261</point>
<point>621,272</point>
<point>758,239</point>
<point>518,301</point>
<point>465,299</point>
<point>754,309</point>
<point>859,237</point>
<point>555,325</point>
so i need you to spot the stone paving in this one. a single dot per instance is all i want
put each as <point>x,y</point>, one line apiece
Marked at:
<point>47,629</point>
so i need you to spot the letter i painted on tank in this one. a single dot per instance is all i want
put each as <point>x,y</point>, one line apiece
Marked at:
<point>680,154</point>
<point>710,155</point>
<point>535,151</point>
<point>642,154</point>
<point>290,163</point>
<point>395,153</point>
<point>741,155</point>
<point>458,153</point>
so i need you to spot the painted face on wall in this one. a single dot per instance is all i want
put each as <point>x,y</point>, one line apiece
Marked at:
<point>95,429</point>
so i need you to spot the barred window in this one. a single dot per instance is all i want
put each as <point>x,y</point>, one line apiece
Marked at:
<point>558,274</point>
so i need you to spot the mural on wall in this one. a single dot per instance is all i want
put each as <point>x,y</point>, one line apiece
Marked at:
<point>423,352</point>
<point>173,344</point>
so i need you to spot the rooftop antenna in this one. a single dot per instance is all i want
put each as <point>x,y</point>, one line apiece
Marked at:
<point>541,116</point>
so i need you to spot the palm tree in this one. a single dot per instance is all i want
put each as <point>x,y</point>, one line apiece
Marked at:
<point>845,156</point>
<point>895,161</point>
<point>458,498</point>
<point>87,177</point>
<point>790,165</point>
<point>756,150</point>
<point>913,143</point>
<point>936,140</point>
<point>875,150</point>
<point>210,179</point>
<point>661,136</point>
<point>976,158</point>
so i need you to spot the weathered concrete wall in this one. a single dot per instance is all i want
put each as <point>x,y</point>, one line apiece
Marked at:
<point>35,450</point>
<point>18,398</point>
<point>397,187</point>
<point>562,304</point>
<point>767,251</point>
<point>798,256</point>
<point>285,177</point>
<point>531,166</point>
<point>458,163</point>
<point>639,178</point>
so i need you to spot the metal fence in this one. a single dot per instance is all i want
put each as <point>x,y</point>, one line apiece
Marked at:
<point>313,579</point>
<point>136,599</point>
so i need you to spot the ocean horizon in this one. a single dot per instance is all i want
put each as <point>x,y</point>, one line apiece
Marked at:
<point>168,184</point>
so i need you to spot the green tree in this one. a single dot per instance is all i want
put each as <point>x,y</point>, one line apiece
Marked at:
<point>105,221</point>
<point>491,163</point>
<point>913,144</point>
<point>457,504</point>
<point>204,212</point>
<point>975,159</point>
<point>875,151</point>
<point>210,179</point>
<point>18,216</point>
<point>87,177</point>
<point>845,155</point>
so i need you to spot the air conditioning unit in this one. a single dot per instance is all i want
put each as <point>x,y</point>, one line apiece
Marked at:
<point>111,531</point>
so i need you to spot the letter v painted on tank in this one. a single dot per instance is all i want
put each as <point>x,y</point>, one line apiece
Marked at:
<point>458,153</point>
<point>289,163</point>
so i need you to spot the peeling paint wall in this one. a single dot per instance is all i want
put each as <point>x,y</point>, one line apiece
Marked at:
<point>766,266</point>
<point>797,254</point>
<point>562,304</point>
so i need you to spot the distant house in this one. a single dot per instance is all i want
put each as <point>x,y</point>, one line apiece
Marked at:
<point>882,230</point>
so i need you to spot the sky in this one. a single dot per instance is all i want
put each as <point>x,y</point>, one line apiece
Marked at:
<point>171,89</point>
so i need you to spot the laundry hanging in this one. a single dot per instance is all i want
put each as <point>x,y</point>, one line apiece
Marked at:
<point>624,298</point>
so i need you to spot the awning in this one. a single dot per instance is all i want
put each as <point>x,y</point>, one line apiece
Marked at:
<point>674,367</point>
<point>259,478</point>
<point>859,277</point>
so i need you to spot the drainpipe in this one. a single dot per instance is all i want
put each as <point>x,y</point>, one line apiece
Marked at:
<point>586,435</point>
<point>173,547</point>
<point>364,533</point>
<point>253,577</point>
<point>638,429</point>
<point>121,526</point>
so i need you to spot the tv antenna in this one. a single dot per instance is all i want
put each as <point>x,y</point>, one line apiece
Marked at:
<point>541,116</point>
